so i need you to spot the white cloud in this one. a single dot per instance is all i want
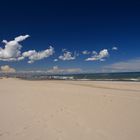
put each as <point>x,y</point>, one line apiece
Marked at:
<point>124,66</point>
<point>67,56</point>
<point>12,52</point>
<point>57,70</point>
<point>94,52</point>
<point>63,50</point>
<point>85,52</point>
<point>21,38</point>
<point>114,48</point>
<point>33,55</point>
<point>7,69</point>
<point>101,56</point>
<point>12,49</point>
<point>55,60</point>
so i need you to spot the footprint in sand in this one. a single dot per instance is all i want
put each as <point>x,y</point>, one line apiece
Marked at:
<point>3,133</point>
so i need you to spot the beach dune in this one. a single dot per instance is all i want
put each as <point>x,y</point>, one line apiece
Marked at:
<point>69,110</point>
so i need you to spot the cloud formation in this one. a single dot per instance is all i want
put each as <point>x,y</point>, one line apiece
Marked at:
<point>94,52</point>
<point>67,55</point>
<point>101,56</point>
<point>129,65</point>
<point>21,38</point>
<point>85,52</point>
<point>114,48</point>
<point>57,70</point>
<point>33,55</point>
<point>12,52</point>
<point>55,60</point>
<point>12,49</point>
<point>7,69</point>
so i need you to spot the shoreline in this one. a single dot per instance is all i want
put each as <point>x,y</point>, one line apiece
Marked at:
<point>126,76</point>
<point>102,80</point>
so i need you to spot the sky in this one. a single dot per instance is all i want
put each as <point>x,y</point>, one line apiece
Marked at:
<point>73,36</point>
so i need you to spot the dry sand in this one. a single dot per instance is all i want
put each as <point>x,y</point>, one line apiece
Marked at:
<point>69,110</point>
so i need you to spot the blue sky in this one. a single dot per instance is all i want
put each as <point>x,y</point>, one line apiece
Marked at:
<point>75,26</point>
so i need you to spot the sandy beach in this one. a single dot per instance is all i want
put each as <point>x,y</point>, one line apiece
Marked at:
<point>69,110</point>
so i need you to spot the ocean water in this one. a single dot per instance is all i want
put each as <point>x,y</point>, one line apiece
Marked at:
<point>125,76</point>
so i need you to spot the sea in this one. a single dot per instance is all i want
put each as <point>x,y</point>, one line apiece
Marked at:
<point>124,76</point>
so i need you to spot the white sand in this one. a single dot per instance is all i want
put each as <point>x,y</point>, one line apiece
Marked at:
<point>69,110</point>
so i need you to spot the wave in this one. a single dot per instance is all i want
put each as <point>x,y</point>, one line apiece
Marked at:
<point>129,76</point>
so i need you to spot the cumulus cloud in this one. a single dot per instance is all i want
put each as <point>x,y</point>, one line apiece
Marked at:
<point>7,69</point>
<point>57,70</point>
<point>85,52</point>
<point>124,66</point>
<point>55,60</point>
<point>114,48</point>
<point>12,49</point>
<point>33,55</point>
<point>21,38</point>
<point>12,52</point>
<point>67,55</point>
<point>101,56</point>
<point>94,52</point>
